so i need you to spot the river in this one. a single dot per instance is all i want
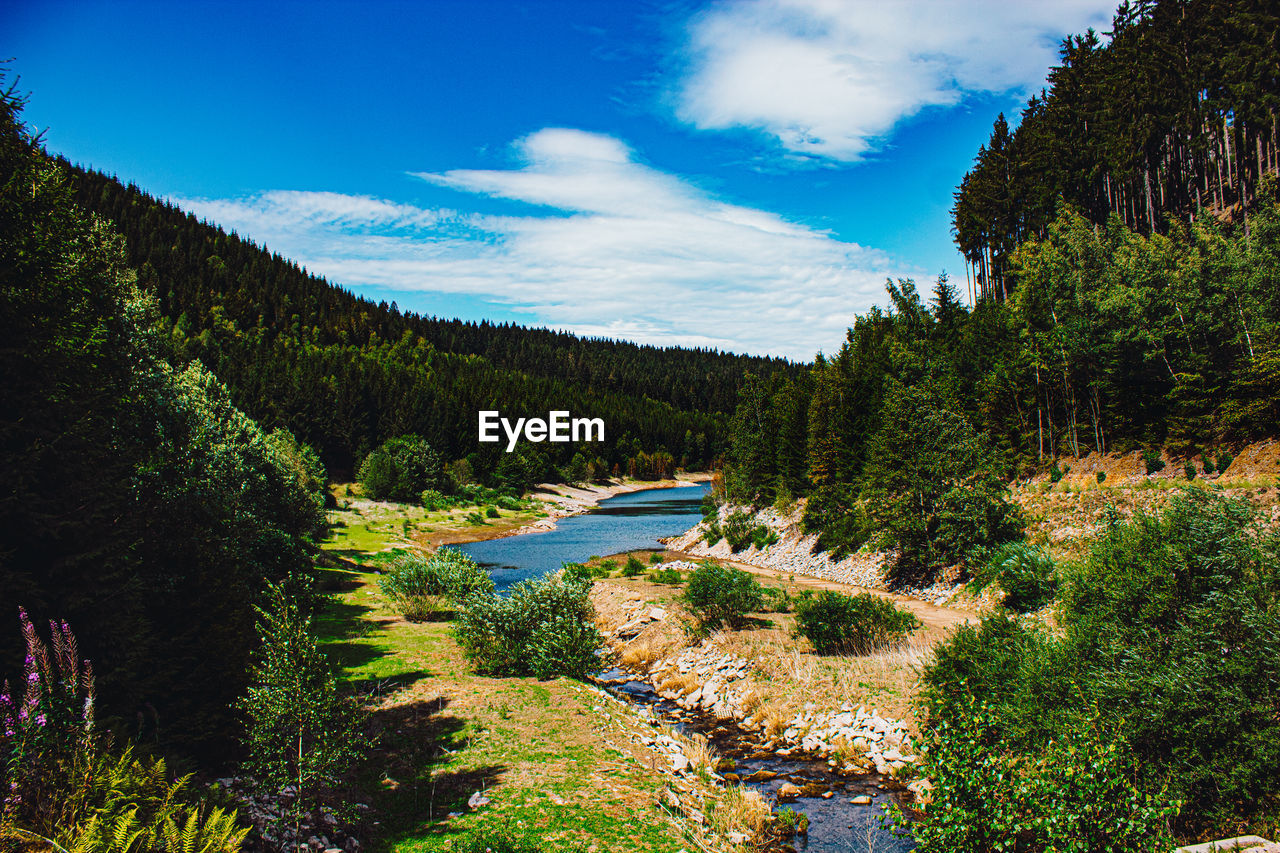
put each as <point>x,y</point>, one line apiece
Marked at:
<point>635,521</point>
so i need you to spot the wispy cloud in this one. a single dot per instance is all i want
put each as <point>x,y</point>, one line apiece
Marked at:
<point>830,79</point>
<point>613,248</point>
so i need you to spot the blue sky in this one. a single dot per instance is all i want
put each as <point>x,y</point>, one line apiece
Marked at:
<point>742,175</point>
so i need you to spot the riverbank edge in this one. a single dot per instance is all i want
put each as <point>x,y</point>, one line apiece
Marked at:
<point>562,501</point>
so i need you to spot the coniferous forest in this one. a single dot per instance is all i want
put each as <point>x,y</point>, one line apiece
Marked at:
<point>238,499</point>
<point>1101,323</point>
<point>346,374</point>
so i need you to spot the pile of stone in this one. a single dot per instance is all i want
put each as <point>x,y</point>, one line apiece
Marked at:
<point>852,740</point>
<point>792,554</point>
<point>271,813</point>
<point>638,614</point>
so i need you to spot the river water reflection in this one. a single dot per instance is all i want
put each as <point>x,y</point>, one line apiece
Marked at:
<point>626,522</point>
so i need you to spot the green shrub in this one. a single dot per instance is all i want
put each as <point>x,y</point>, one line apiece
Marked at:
<point>713,534</point>
<point>1101,477</point>
<point>655,558</point>
<point>491,512</point>
<point>1027,575</point>
<point>507,502</point>
<point>851,624</point>
<point>1224,461</point>
<point>1055,473</point>
<point>299,730</point>
<point>1190,470</point>
<point>633,567</point>
<point>1077,794</point>
<point>401,469</point>
<point>1168,646</point>
<point>425,588</point>
<point>544,627</point>
<point>722,595</point>
<point>667,575</point>
<point>1152,460</point>
<point>775,600</point>
<point>433,500</point>
<point>474,517</point>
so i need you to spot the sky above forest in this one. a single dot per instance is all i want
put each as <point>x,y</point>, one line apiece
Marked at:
<point>738,175</point>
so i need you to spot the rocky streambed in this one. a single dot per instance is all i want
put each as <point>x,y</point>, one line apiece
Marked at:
<point>844,805</point>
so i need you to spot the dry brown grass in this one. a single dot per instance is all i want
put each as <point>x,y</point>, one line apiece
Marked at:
<point>740,809</point>
<point>685,682</point>
<point>696,748</point>
<point>647,649</point>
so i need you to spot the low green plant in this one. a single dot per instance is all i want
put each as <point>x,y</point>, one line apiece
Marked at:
<point>1055,473</point>
<point>860,624</point>
<point>791,822</point>
<point>544,627</point>
<point>655,558</point>
<point>606,567</point>
<point>1151,459</point>
<point>1224,461</point>
<point>667,575</point>
<point>722,595</point>
<point>775,600</point>
<point>1101,477</point>
<point>434,501</point>
<point>1027,575</point>
<point>509,503</point>
<point>475,517</point>
<point>425,588</point>
<point>633,567</point>
<point>491,512</point>
<point>713,533</point>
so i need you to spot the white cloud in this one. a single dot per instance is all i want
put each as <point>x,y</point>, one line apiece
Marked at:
<point>624,251</point>
<point>831,78</point>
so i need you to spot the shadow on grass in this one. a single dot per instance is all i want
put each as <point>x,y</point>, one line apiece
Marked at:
<point>407,780</point>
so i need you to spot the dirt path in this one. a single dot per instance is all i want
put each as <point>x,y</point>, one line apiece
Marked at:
<point>930,614</point>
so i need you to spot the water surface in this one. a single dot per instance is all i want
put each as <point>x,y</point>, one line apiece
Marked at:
<point>626,522</point>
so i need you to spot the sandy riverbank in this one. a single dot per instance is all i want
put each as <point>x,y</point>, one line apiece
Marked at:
<point>560,500</point>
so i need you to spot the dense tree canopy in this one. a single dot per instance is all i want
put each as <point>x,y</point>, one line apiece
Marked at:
<point>140,505</point>
<point>1174,114</point>
<point>346,374</point>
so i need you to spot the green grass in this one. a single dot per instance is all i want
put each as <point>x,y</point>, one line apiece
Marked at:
<point>538,749</point>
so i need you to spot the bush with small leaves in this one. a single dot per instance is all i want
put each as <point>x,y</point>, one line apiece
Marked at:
<point>1190,470</point>
<point>667,575</point>
<point>1151,459</point>
<point>491,512</point>
<point>655,558</point>
<point>722,595</point>
<point>299,729</point>
<point>544,627</point>
<point>713,533</point>
<point>1027,575</point>
<point>1101,477</point>
<point>851,624</point>
<point>633,567</point>
<point>1224,461</point>
<point>426,588</point>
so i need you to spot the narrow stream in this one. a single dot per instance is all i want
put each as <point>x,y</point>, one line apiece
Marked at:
<point>836,823</point>
<point>638,520</point>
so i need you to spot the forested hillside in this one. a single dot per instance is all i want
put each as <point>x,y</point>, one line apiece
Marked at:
<point>346,373</point>
<point>1098,325</point>
<point>1174,114</point>
<point>140,506</point>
